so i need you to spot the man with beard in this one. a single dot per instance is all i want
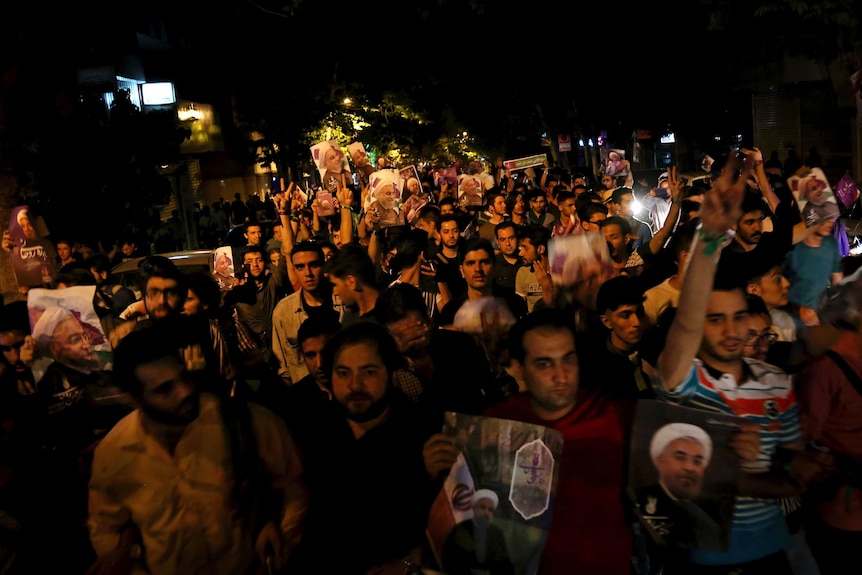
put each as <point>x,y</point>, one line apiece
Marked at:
<point>508,260</point>
<point>447,369</point>
<point>786,231</point>
<point>62,336</point>
<point>476,545</point>
<point>167,494</point>
<point>165,289</point>
<point>450,253</point>
<point>363,462</point>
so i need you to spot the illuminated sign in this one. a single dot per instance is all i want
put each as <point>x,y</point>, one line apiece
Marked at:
<point>158,93</point>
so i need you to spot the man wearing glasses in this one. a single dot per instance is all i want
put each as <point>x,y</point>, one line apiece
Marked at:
<point>205,350</point>
<point>760,337</point>
<point>591,215</point>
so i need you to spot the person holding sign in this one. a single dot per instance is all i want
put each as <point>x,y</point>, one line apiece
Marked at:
<point>703,366</point>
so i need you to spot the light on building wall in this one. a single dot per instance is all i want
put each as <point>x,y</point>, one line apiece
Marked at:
<point>189,113</point>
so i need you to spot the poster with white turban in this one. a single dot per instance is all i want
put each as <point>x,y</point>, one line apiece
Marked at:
<point>33,256</point>
<point>814,196</point>
<point>332,165</point>
<point>684,474</point>
<point>67,330</point>
<point>384,196</point>
<point>496,501</point>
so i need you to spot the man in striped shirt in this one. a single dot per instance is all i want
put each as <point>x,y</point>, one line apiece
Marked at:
<point>702,366</point>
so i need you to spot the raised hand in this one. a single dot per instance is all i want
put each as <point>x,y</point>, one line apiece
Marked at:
<point>344,196</point>
<point>720,209</point>
<point>674,185</point>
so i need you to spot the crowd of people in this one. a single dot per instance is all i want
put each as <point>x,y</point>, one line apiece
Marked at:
<point>288,418</point>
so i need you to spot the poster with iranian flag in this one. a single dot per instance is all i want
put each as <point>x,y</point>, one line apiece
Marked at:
<point>494,509</point>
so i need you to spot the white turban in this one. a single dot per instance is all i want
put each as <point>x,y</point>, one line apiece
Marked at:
<point>486,494</point>
<point>43,331</point>
<point>318,151</point>
<point>380,179</point>
<point>21,216</point>
<point>673,431</point>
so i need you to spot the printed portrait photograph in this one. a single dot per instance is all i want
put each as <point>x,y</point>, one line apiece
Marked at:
<point>684,474</point>
<point>494,510</point>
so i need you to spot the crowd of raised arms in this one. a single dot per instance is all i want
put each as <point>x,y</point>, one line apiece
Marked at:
<point>284,411</point>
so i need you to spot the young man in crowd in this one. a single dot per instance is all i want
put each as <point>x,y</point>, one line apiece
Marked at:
<point>508,260</point>
<point>703,366</point>
<point>368,431</point>
<point>589,532</point>
<point>192,515</point>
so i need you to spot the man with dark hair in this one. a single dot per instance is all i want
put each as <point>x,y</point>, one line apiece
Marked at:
<point>622,204</point>
<point>429,221</point>
<point>302,400</point>
<point>508,260</point>
<point>629,256</point>
<point>450,371</point>
<point>590,216</point>
<point>354,282</point>
<point>495,205</point>
<point>253,234</point>
<point>111,298</point>
<point>367,433</point>
<point>538,213</point>
<point>787,230</point>
<point>450,253</point>
<point>477,269</point>
<point>449,205</point>
<point>254,301</point>
<point>566,222</point>
<point>703,366</point>
<point>589,532</point>
<point>614,361</point>
<point>165,288</point>
<point>411,265</point>
<point>314,299</point>
<point>192,516</point>
<point>533,280</point>
<point>764,277</point>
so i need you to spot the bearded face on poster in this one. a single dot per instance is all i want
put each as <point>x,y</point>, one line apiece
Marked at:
<point>384,195</point>
<point>816,200</point>
<point>33,258</point>
<point>331,164</point>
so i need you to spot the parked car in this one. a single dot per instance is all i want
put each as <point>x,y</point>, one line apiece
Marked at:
<point>126,273</point>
